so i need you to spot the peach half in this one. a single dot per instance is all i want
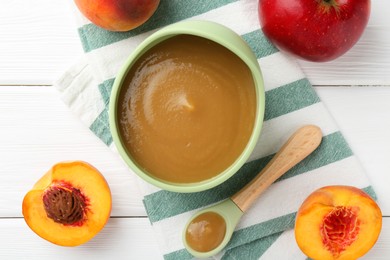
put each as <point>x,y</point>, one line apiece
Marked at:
<point>69,205</point>
<point>337,222</point>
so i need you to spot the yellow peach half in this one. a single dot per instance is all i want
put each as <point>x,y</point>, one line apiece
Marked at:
<point>69,205</point>
<point>337,222</point>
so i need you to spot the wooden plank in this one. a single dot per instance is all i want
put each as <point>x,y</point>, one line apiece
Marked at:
<point>367,63</point>
<point>362,113</point>
<point>382,247</point>
<point>122,238</point>
<point>39,41</point>
<point>37,131</point>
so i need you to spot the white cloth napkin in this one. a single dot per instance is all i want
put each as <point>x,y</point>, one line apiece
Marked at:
<point>265,231</point>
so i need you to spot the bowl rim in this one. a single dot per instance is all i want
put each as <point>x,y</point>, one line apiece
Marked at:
<point>200,29</point>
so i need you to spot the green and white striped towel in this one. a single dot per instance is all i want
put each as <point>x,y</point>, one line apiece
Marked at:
<point>265,231</point>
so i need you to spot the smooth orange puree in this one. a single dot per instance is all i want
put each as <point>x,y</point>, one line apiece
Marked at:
<point>187,109</point>
<point>206,232</point>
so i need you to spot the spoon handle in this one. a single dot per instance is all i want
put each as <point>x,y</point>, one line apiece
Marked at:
<point>303,142</point>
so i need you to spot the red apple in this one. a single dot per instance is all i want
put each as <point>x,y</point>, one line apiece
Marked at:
<point>314,30</point>
<point>117,15</point>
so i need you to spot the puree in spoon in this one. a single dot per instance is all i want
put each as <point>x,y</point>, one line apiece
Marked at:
<point>206,231</point>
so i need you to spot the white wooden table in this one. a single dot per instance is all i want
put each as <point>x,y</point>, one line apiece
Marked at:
<point>39,41</point>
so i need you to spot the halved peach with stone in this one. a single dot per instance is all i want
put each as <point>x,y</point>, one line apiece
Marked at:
<point>337,222</point>
<point>69,205</point>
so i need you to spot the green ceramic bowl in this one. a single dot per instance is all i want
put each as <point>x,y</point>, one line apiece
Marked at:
<point>221,35</point>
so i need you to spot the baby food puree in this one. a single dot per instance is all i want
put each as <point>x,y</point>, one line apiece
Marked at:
<point>206,232</point>
<point>187,109</point>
